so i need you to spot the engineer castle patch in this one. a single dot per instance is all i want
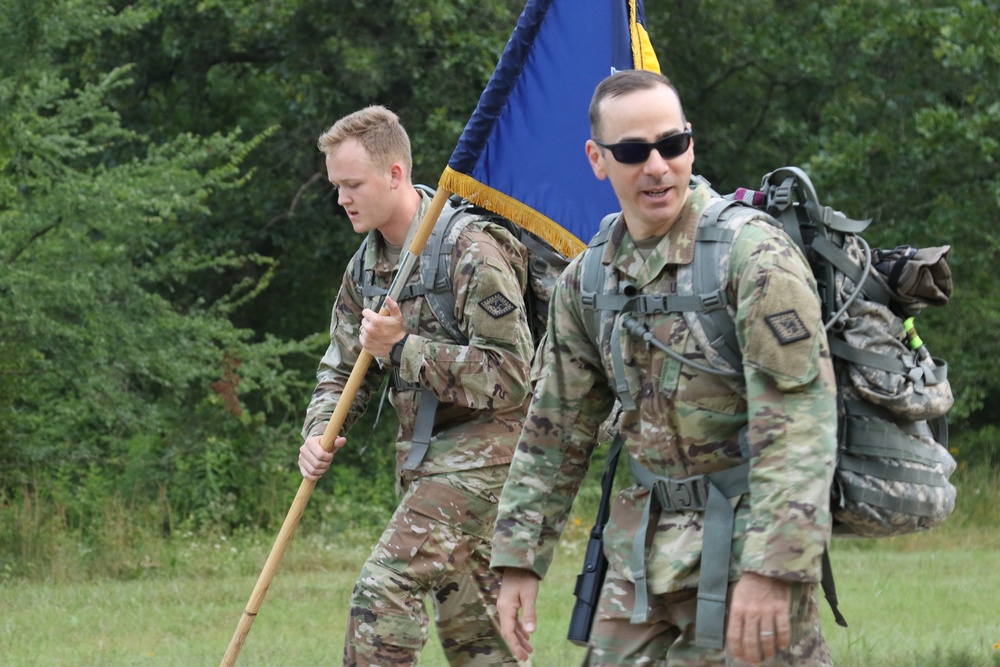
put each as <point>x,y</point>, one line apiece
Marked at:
<point>787,327</point>
<point>497,305</point>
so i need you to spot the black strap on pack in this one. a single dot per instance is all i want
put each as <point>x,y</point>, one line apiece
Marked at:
<point>595,564</point>
<point>830,589</point>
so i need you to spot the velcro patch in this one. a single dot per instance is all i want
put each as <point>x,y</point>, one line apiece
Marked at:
<point>787,327</point>
<point>497,305</point>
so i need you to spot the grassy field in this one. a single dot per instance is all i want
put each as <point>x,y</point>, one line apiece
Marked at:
<point>928,599</point>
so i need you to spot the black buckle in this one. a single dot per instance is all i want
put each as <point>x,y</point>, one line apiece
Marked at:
<point>399,383</point>
<point>682,495</point>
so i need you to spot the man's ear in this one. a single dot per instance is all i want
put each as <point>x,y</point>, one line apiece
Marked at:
<point>395,175</point>
<point>595,155</point>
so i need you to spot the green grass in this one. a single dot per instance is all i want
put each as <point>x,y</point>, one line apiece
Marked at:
<point>927,599</point>
<point>921,600</point>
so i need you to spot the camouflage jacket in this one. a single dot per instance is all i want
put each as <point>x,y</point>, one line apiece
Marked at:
<point>482,387</point>
<point>687,421</point>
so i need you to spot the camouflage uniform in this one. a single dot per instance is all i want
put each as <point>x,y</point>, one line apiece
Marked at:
<point>686,423</point>
<point>437,541</point>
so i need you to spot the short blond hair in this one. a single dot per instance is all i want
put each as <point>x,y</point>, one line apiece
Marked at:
<point>379,132</point>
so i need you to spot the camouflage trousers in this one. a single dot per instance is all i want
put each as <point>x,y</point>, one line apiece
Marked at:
<point>667,638</point>
<point>437,544</point>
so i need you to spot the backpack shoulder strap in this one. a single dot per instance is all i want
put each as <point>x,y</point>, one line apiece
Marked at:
<point>435,264</point>
<point>358,273</point>
<point>436,287</point>
<point>592,280</point>
<point>707,277</point>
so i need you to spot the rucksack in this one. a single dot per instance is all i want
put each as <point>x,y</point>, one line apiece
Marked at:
<point>893,464</point>
<point>545,263</point>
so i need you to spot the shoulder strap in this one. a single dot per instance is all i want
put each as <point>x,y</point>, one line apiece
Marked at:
<point>706,277</point>
<point>598,308</point>
<point>435,278</point>
<point>592,282</point>
<point>435,262</point>
<point>362,278</point>
<point>436,287</point>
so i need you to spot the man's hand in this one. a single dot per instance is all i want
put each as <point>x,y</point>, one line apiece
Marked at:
<point>380,332</point>
<point>518,591</point>
<point>314,460</point>
<point>759,622</point>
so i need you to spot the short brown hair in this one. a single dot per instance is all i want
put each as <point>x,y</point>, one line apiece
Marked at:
<point>622,83</point>
<point>379,132</point>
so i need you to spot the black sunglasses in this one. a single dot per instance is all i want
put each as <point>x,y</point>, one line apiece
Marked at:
<point>637,152</point>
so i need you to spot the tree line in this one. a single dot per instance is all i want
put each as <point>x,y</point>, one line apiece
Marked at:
<point>170,249</point>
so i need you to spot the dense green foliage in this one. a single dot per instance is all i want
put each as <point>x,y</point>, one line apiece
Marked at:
<point>169,249</point>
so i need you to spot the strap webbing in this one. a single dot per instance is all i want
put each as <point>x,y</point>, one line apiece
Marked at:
<point>716,322</point>
<point>618,365</point>
<point>883,362</point>
<point>701,493</point>
<point>881,470</point>
<point>830,589</point>
<point>869,437</point>
<point>889,501</point>
<point>423,426</point>
<point>836,256</point>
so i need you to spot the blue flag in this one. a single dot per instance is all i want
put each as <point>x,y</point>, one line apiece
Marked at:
<point>522,152</point>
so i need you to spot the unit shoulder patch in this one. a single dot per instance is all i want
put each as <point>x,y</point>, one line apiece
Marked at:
<point>497,305</point>
<point>787,327</point>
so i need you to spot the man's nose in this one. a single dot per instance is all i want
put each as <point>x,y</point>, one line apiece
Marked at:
<point>656,164</point>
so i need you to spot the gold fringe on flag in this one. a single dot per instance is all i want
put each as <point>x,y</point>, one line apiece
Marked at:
<point>643,55</point>
<point>517,212</point>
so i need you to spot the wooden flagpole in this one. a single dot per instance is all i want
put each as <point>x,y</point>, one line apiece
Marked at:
<point>329,435</point>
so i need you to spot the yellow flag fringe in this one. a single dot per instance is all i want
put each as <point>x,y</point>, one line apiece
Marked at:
<point>517,212</point>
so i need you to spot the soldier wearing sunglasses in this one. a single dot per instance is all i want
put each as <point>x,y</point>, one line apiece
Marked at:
<point>778,417</point>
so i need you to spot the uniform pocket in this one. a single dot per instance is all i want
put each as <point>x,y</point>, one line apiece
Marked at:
<point>403,540</point>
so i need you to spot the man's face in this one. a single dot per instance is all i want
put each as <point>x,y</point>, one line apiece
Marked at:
<point>653,192</point>
<point>363,189</point>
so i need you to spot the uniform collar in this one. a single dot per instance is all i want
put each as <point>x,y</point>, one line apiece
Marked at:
<point>675,248</point>
<point>375,248</point>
